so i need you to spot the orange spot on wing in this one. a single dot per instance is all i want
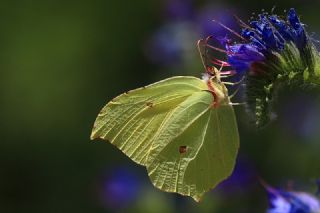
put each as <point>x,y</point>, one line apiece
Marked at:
<point>182,149</point>
<point>149,104</point>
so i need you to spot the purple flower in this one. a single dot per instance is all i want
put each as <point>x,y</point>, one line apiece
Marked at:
<point>281,201</point>
<point>266,35</point>
<point>241,56</point>
<point>271,52</point>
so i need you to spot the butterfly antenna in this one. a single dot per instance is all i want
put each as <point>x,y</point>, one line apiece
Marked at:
<point>209,69</point>
<point>206,52</point>
<point>201,54</point>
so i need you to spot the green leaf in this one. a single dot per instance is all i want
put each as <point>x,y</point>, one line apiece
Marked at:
<point>173,128</point>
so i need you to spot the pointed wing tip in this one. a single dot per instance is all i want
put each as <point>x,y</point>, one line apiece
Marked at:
<point>93,135</point>
<point>197,198</point>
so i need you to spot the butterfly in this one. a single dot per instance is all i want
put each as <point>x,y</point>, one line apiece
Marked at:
<point>182,129</point>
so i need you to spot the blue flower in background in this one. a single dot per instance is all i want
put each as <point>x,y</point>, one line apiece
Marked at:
<point>174,43</point>
<point>171,43</point>
<point>119,188</point>
<point>179,9</point>
<point>242,178</point>
<point>281,201</point>
<point>209,13</point>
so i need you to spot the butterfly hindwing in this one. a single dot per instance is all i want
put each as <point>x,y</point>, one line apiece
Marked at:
<point>209,139</point>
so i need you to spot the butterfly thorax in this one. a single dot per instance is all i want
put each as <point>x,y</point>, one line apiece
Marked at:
<point>219,91</point>
<point>217,88</point>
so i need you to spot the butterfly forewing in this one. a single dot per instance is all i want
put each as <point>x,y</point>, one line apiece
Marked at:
<point>130,120</point>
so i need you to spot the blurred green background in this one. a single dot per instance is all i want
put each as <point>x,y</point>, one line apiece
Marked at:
<point>61,61</point>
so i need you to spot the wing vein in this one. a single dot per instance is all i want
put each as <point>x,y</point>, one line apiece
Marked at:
<point>141,141</point>
<point>219,139</point>
<point>202,141</point>
<point>187,125</point>
<point>137,114</point>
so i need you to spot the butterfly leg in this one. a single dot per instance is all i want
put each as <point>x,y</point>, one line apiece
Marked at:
<point>234,83</point>
<point>237,104</point>
<point>234,93</point>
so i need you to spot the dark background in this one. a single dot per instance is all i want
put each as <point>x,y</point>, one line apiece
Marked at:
<point>61,61</point>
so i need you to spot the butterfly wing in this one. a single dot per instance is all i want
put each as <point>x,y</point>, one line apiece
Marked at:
<point>198,150</point>
<point>172,128</point>
<point>131,120</point>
